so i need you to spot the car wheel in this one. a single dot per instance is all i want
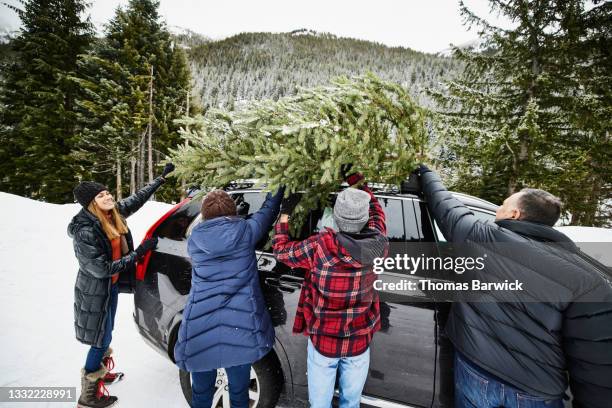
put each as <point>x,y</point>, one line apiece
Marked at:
<point>264,390</point>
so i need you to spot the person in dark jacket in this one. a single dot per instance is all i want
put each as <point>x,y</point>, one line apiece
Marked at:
<point>104,249</point>
<point>225,322</point>
<point>517,349</point>
<point>338,308</point>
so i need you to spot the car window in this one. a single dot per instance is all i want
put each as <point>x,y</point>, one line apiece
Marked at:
<point>441,237</point>
<point>249,202</point>
<point>480,215</point>
<point>393,215</point>
<point>326,220</point>
<point>394,218</point>
<point>196,221</point>
<point>175,226</point>
<point>424,225</point>
<point>246,204</point>
<point>322,218</point>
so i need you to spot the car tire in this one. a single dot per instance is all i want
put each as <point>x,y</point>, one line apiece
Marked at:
<point>268,382</point>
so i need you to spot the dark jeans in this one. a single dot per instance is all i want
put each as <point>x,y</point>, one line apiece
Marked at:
<point>475,388</point>
<point>203,386</point>
<point>95,354</point>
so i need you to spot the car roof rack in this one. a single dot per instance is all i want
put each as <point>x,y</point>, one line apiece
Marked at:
<point>244,184</point>
<point>379,188</point>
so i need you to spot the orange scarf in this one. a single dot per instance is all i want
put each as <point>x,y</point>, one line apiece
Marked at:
<point>116,244</point>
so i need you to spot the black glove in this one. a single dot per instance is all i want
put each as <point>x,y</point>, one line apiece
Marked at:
<point>146,246</point>
<point>422,169</point>
<point>168,168</point>
<point>412,184</point>
<point>288,204</point>
<point>350,178</point>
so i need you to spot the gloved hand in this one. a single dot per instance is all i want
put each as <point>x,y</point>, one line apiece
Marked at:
<point>146,246</point>
<point>168,168</point>
<point>289,203</point>
<point>421,169</point>
<point>281,190</point>
<point>350,178</point>
<point>412,184</point>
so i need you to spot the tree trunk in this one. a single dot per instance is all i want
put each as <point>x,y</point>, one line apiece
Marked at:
<point>141,160</point>
<point>150,136</point>
<point>183,183</point>
<point>521,158</point>
<point>132,170</point>
<point>119,184</point>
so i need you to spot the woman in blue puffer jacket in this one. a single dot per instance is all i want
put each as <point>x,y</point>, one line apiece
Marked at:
<point>225,323</point>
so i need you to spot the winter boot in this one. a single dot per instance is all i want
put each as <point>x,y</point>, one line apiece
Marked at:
<point>93,392</point>
<point>109,363</point>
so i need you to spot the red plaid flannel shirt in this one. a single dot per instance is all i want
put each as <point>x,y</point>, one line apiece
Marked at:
<point>338,306</point>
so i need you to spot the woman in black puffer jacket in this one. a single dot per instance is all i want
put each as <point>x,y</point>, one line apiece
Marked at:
<point>104,249</point>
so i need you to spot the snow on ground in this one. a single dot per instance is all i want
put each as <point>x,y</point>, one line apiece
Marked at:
<point>37,273</point>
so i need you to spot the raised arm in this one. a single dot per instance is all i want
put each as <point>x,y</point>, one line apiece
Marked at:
<point>377,214</point>
<point>261,221</point>
<point>294,254</point>
<point>456,221</point>
<point>130,205</point>
<point>133,203</point>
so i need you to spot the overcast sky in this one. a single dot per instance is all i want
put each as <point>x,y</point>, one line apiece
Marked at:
<point>424,25</point>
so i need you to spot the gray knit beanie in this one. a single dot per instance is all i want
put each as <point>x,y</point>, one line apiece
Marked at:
<point>351,211</point>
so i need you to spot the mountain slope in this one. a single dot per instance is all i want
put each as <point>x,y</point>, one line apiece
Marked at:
<point>267,65</point>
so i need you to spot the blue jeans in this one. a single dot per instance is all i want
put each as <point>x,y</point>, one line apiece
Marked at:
<point>203,386</point>
<point>475,388</point>
<point>95,354</point>
<point>322,370</point>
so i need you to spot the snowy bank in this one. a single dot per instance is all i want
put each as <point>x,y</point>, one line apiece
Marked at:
<point>37,274</point>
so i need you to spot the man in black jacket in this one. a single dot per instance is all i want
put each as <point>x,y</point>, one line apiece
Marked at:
<point>520,349</point>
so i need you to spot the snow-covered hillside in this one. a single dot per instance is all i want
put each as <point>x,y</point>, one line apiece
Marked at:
<point>37,273</point>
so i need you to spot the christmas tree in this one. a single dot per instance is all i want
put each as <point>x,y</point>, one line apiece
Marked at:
<point>302,141</point>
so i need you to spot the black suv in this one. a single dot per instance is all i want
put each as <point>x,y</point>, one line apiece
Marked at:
<point>411,360</point>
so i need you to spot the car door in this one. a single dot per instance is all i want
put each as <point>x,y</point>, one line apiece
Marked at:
<point>167,281</point>
<point>443,395</point>
<point>403,351</point>
<point>444,382</point>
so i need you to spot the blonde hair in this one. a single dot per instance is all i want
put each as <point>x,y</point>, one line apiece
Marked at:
<point>114,226</point>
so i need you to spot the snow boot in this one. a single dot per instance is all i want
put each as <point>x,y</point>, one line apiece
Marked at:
<point>93,392</point>
<point>109,363</point>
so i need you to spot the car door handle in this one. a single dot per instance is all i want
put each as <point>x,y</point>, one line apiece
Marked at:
<point>286,285</point>
<point>290,279</point>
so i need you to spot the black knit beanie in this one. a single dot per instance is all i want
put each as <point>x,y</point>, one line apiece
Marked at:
<point>86,191</point>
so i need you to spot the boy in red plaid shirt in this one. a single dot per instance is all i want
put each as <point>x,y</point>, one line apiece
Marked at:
<point>338,307</point>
